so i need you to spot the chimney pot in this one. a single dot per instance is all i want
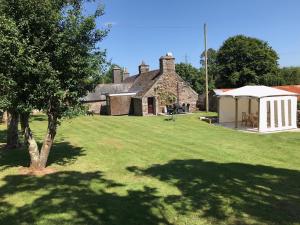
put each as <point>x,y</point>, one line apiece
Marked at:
<point>125,73</point>
<point>117,75</point>
<point>143,68</point>
<point>167,63</point>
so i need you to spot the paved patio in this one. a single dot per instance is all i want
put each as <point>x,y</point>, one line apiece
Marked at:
<point>243,128</point>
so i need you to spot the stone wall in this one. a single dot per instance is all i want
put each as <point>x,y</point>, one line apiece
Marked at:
<point>137,106</point>
<point>173,85</point>
<point>120,105</point>
<point>98,107</point>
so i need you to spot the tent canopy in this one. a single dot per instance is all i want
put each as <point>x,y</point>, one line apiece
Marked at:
<point>256,92</point>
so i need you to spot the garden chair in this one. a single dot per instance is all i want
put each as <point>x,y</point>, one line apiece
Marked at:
<point>90,113</point>
<point>253,120</point>
<point>244,118</point>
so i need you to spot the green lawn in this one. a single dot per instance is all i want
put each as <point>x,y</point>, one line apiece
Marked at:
<point>145,170</point>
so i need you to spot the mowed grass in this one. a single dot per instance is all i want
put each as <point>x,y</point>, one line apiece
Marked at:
<point>146,170</point>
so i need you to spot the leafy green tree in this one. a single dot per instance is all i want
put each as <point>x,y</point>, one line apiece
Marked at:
<point>107,76</point>
<point>244,60</point>
<point>211,63</point>
<point>193,76</point>
<point>11,51</point>
<point>190,74</point>
<point>64,62</point>
<point>290,75</point>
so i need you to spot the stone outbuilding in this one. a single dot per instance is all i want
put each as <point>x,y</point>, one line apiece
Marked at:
<point>147,93</point>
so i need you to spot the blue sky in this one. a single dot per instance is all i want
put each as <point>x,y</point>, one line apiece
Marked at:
<point>148,29</point>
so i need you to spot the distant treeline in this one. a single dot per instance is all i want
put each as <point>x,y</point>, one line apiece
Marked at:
<point>240,61</point>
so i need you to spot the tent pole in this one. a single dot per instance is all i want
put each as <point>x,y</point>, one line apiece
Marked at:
<point>249,106</point>
<point>218,110</point>
<point>236,112</point>
<point>258,116</point>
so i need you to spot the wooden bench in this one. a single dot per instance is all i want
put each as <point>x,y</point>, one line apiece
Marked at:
<point>206,119</point>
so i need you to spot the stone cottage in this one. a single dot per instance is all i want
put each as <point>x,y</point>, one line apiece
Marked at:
<point>147,93</point>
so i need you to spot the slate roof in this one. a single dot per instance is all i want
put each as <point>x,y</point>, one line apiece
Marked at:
<point>139,84</point>
<point>102,89</point>
<point>144,82</point>
<point>130,79</point>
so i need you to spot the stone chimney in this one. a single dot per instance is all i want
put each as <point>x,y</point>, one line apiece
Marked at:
<point>167,63</point>
<point>143,68</point>
<point>125,73</point>
<point>117,79</point>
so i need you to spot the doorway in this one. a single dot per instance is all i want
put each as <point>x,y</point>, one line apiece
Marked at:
<point>151,105</point>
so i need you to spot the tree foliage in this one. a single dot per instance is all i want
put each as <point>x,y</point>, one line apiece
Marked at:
<point>190,74</point>
<point>107,76</point>
<point>211,63</point>
<point>10,48</point>
<point>60,61</point>
<point>244,60</point>
<point>290,75</point>
<point>194,77</point>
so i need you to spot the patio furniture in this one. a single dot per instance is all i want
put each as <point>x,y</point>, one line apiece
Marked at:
<point>253,120</point>
<point>170,110</point>
<point>244,118</point>
<point>90,113</point>
<point>209,119</point>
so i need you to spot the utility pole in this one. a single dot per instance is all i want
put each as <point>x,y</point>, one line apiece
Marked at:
<point>185,59</point>
<point>206,70</point>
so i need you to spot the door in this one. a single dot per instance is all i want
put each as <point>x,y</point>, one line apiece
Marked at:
<point>151,105</point>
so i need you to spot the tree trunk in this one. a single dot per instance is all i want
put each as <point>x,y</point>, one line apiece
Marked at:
<point>48,141</point>
<point>12,130</point>
<point>33,149</point>
<point>24,121</point>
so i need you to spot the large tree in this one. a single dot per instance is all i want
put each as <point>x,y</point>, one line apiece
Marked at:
<point>211,63</point>
<point>190,74</point>
<point>290,75</point>
<point>107,76</point>
<point>11,58</point>
<point>245,60</point>
<point>193,76</point>
<point>64,61</point>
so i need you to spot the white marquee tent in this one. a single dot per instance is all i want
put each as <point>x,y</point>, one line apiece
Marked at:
<point>274,109</point>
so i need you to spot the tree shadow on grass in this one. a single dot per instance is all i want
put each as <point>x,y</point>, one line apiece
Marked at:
<point>76,198</point>
<point>62,153</point>
<point>2,136</point>
<point>41,117</point>
<point>231,192</point>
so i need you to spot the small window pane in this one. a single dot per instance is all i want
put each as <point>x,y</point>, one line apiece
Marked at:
<point>276,113</point>
<point>290,112</point>
<point>268,114</point>
<point>283,113</point>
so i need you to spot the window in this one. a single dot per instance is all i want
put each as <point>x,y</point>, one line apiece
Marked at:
<point>283,113</point>
<point>268,114</point>
<point>276,113</point>
<point>290,112</point>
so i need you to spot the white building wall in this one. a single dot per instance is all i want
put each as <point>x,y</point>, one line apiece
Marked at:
<point>282,120</point>
<point>226,109</point>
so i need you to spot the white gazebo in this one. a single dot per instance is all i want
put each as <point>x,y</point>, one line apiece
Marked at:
<point>273,109</point>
